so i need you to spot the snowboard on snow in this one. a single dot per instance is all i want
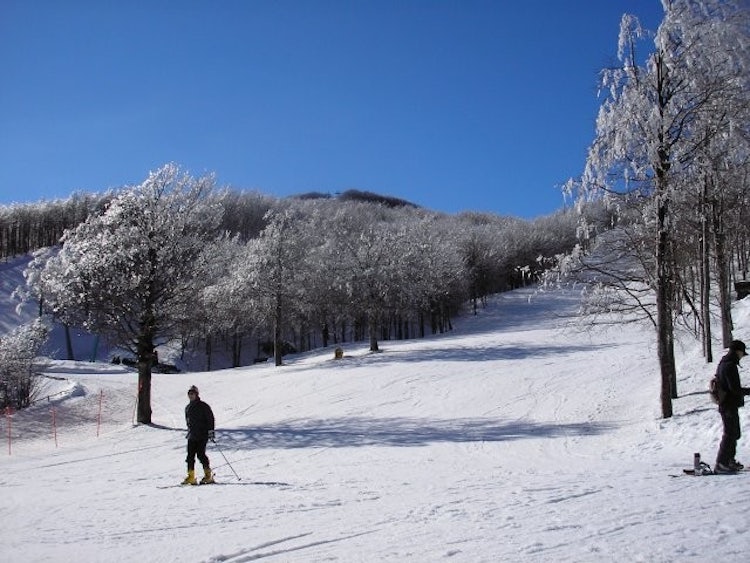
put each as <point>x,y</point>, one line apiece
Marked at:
<point>705,471</point>
<point>709,472</point>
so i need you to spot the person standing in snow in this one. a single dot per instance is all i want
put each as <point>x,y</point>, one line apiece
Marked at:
<point>200,424</point>
<point>729,379</point>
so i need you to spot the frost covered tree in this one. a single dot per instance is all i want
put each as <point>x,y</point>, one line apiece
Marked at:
<point>219,312</point>
<point>19,364</point>
<point>364,251</point>
<point>327,306</point>
<point>480,243</point>
<point>431,270</point>
<point>650,129</point>
<point>134,272</point>
<point>721,162</point>
<point>279,261</point>
<point>30,226</point>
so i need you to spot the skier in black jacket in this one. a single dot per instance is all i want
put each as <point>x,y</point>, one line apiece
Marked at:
<point>729,379</point>
<point>200,424</point>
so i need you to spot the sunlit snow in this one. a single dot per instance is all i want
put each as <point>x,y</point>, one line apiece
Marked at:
<point>516,437</point>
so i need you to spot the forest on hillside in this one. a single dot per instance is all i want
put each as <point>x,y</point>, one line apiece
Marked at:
<point>177,263</point>
<point>425,264</point>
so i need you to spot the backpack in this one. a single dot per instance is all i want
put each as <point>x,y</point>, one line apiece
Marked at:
<point>716,390</point>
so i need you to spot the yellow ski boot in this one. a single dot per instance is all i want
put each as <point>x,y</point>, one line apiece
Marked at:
<point>208,476</point>
<point>190,479</point>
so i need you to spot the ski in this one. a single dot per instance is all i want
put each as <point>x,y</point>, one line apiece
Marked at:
<point>179,485</point>
<point>280,484</point>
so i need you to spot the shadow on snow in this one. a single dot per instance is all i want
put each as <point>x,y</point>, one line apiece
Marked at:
<point>399,432</point>
<point>389,355</point>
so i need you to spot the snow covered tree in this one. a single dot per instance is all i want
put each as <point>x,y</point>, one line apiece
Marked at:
<point>364,250</point>
<point>30,226</point>
<point>19,367</point>
<point>649,131</point>
<point>432,270</point>
<point>480,243</point>
<point>244,213</point>
<point>327,305</point>
<point>134,272</point>
<point>219,312</point>
<point>722,156</point>
<point>281,249</point>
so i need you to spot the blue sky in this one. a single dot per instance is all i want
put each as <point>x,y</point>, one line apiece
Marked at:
<point>453,105</point>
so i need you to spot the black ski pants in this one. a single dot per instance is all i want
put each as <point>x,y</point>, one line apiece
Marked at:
<point>730,418</point>
<point>196,448</point>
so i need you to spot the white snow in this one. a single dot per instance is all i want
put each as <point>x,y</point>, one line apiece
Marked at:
<point>515,437</point>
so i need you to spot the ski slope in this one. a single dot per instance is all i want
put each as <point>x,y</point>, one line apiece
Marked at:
<point>516,437</point>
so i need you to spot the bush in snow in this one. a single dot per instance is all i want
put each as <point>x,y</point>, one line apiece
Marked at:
<point>19,367</point>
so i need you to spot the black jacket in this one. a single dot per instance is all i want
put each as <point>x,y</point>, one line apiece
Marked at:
<point>729,379</point>
<point>200,419</point>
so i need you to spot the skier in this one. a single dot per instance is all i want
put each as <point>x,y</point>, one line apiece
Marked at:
<point>729,379</point>
<point>200,423</point>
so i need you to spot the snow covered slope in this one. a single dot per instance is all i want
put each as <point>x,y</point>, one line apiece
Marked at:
<point>517,437</point>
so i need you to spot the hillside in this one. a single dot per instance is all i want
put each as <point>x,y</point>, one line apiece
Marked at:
<point>14,313</point>
<point>517,437</point>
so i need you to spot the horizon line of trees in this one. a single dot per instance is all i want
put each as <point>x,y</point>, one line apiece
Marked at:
<point>175,259</point>
<point>26,227</point>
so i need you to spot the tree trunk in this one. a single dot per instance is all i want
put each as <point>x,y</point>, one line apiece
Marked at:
<point>706,292</point>
<point>722,273</point>
<point>236,350</point>
<point>69,344</point>
<point>277,345</point>
<point>146,359</point>
<point>666,365</point>
<point>664,258</point>
<point>209,352</point>
<point>373,324</point>
<point>144,394</point>
<point>665,345</point>
<point>671,360</point>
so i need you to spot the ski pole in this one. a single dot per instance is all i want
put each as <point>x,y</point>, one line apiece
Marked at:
<point>225,459</point>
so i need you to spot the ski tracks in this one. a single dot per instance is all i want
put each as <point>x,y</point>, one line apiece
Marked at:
<point>563,520</point>
<point>254,553</point>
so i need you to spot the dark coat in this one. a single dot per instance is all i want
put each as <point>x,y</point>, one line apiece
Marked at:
<point>199,418</point>
<point>729,379</point>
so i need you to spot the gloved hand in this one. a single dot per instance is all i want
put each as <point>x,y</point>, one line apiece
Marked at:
<point>212,435</point>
